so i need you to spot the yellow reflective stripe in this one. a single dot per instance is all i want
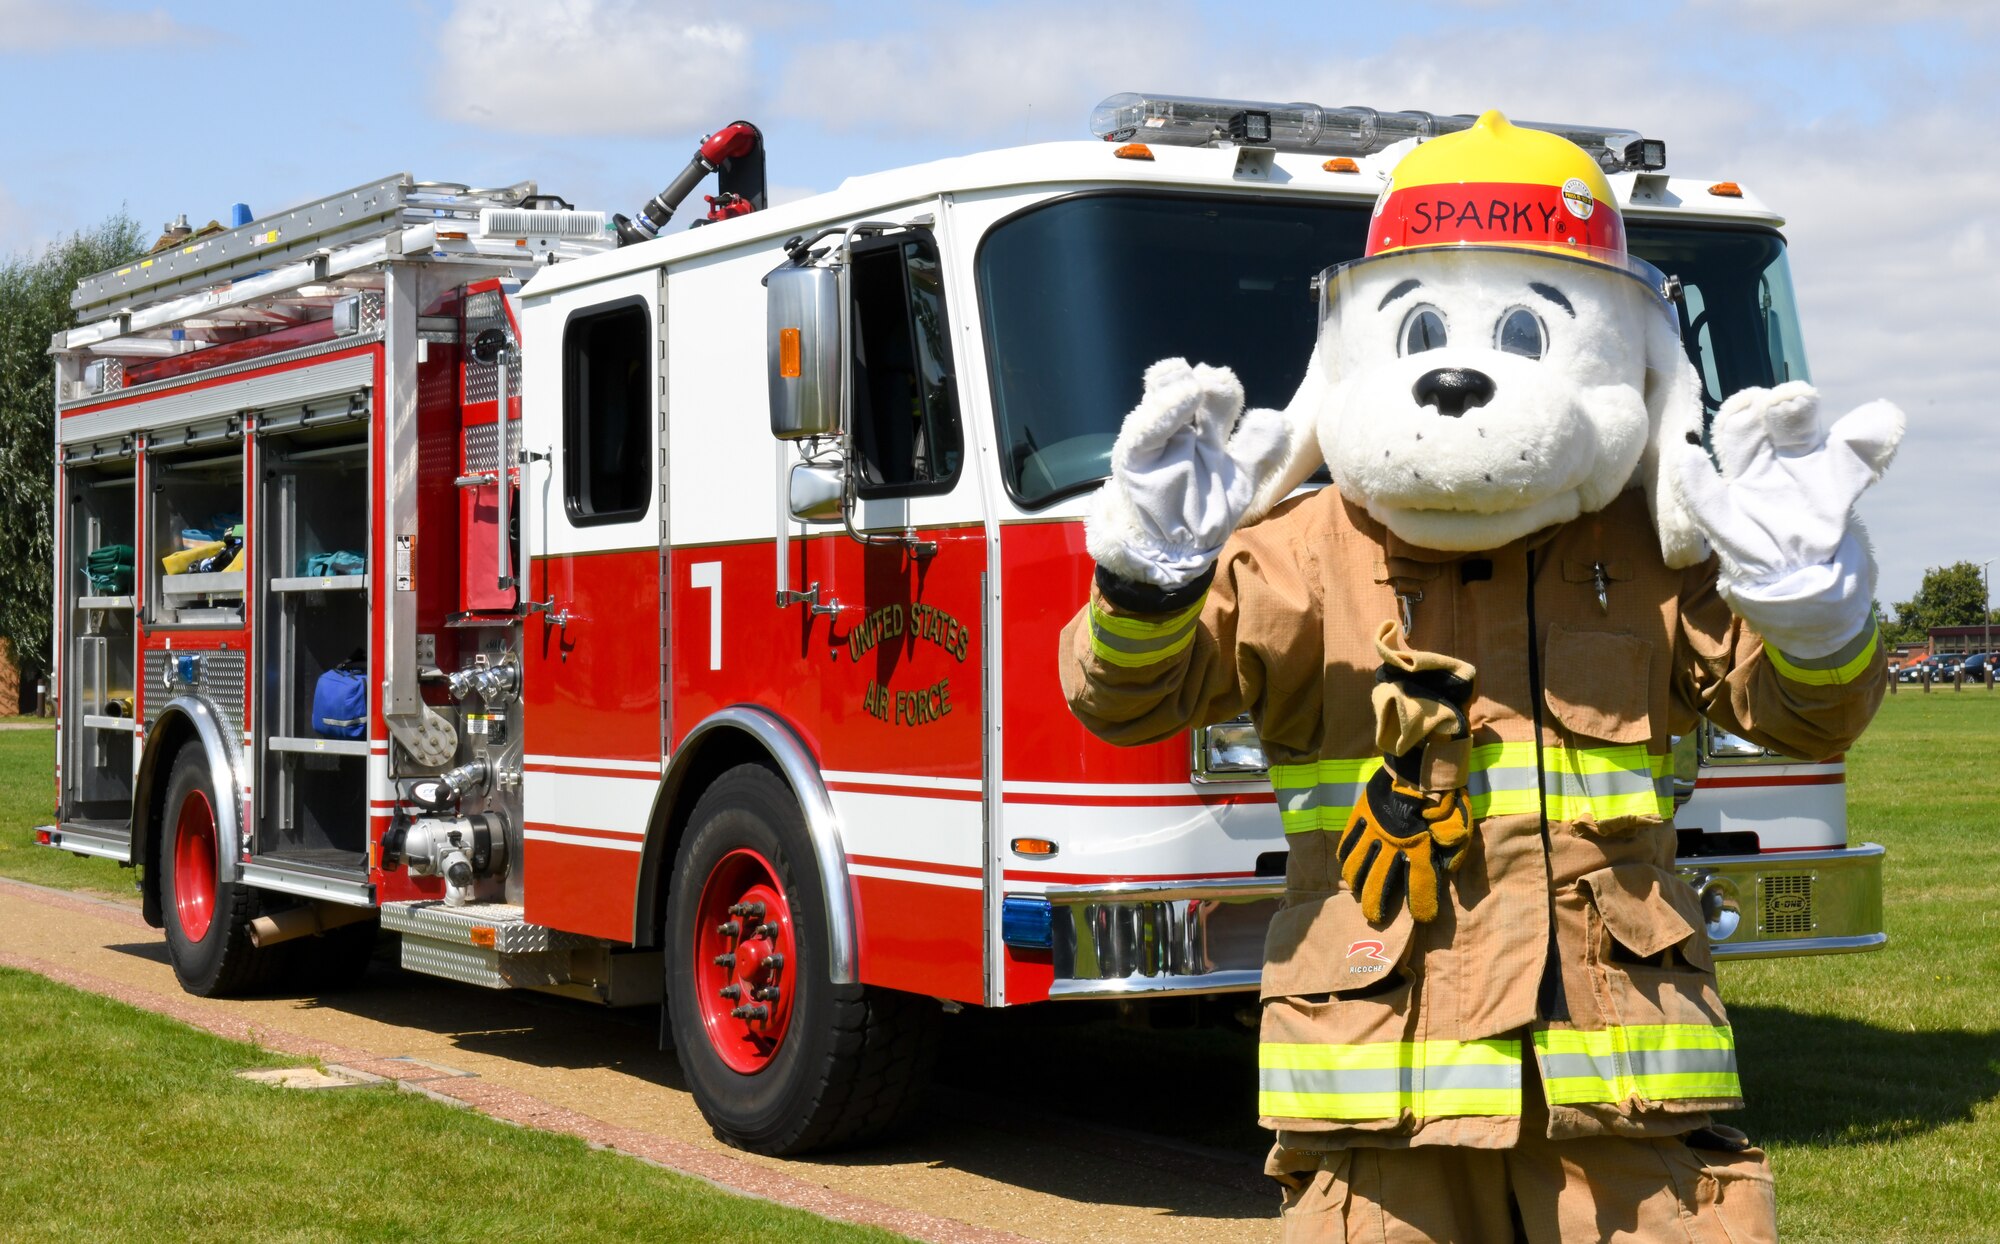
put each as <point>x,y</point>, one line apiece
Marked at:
<point>1142,628</point>
<point>1320,1056</point>
<point>1438,1104</point>
<point>1598,783</point>
<point>1849,668</point>
<point>1651,1062</point>
<point>1384,1079</point>
<point>1131,643</point>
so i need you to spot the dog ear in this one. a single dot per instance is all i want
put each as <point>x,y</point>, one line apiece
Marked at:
<point>1673,409</point>
<point>1303,456</point>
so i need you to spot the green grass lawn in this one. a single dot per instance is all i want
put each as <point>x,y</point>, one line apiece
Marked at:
<point>27,799</point>
<point>1874,1080</point>
<point>121,1125</point>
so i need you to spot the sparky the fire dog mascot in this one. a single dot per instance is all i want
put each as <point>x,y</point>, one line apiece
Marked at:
<point>1489,1006</point>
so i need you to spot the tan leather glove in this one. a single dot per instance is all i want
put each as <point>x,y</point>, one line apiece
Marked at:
<point>1414,820</point>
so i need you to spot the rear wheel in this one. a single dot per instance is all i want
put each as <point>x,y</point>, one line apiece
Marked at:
<point>207,918</point>
<point>779,1059</point>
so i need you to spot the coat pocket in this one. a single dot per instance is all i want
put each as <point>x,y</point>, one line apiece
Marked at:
<point>1321,944</point>
<point>1597,684</point>
<point>1645,916</point>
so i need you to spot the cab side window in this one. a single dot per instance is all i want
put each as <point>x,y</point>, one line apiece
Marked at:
<point>906,429</point>
<point>608,414</point>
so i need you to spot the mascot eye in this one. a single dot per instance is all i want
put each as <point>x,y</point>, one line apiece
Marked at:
<point>1520,333</point>
<point>1422,330</point>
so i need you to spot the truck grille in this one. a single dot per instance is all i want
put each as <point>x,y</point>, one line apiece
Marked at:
<point>1788,905</point>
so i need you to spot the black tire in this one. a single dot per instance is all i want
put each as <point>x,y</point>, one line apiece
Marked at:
<point>854,1059</point>
<point>222,962</point>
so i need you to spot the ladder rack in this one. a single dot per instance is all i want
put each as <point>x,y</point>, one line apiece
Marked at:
<point>219,277</point>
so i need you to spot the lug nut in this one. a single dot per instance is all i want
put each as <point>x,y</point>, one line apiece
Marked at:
<point>775,961</point>
<point>731,991</point>
<point>725,961</point>
<point>750,1012</point>
<point>768,993</point>
<point>767,930</point>
<point>728,928</point>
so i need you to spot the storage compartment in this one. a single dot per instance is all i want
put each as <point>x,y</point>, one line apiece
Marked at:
<point>312,540</point>
<point>100,640</point>
<point>194,553</point>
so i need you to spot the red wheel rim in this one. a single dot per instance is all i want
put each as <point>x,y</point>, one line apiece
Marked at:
<point>744,961</point>
<point>194,865</point>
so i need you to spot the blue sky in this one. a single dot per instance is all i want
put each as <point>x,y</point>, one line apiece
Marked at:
<point>1871,130</point>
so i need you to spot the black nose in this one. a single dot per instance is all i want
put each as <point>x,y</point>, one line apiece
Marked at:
<point>1453,390</point>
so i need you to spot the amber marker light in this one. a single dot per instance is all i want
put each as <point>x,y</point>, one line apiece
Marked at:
<point>1726,190</point>
<point>482,936</point>
<point>1341,164</point>
<point>788,353</point>
<point>1041,847</point>
<point>1134,151</point>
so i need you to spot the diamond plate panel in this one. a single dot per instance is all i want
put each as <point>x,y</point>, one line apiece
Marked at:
<point>433,920</point>
<point>484,310</point>
<point>486,968</point>
<point>481,441</point>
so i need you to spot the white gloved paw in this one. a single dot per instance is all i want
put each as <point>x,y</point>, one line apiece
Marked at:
<point>1184,469</point>
<point>1779,512</point>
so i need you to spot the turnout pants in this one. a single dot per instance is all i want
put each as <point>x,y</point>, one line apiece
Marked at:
<point>1593,1188</point>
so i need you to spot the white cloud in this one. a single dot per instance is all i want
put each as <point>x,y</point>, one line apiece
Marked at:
<point>591,66</point>
<point>40,26</point>
<point>1025,71</point>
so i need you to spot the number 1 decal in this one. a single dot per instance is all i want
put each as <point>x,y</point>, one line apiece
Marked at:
<point>707,576</point>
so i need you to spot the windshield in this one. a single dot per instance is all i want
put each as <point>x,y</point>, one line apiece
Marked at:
<point>1082,294</point>
<point>1739,323</point>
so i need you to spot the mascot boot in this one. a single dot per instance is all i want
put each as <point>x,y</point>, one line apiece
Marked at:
<point>1489,1008</point>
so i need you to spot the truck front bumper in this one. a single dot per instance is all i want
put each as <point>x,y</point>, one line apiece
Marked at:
<point>1794,903</point>
<point>1158,939</point>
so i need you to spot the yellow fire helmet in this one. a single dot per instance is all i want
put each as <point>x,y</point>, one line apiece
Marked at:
<point>1495,185</point>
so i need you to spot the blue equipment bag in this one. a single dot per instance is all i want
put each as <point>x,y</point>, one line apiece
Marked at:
<point>340,703</point>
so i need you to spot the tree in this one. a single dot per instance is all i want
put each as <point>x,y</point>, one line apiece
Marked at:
<point>34,306</point>
<point>1952,595</point>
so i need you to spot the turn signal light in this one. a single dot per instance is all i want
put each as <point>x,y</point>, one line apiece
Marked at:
<point>1134,151</point>
<point>788,353</point>
<point>43,837</point>
<point>1033,846</point>
<point>482,936</point>
<point>1341,164</point>
<point>1726,189</point>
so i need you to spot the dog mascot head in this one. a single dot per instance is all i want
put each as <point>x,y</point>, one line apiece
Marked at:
<point>1496,363</point>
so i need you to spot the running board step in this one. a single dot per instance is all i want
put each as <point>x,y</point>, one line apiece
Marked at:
<point>487,944</point>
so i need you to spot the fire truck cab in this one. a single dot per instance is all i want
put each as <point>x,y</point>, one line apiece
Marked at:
<point>639,615</point>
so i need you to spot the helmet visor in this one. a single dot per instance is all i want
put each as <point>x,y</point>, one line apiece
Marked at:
<point>1347,285</point>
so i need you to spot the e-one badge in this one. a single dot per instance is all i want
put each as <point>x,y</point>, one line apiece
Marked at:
<point>1578,199</point>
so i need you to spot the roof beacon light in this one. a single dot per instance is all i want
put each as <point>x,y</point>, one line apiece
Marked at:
<point>1191,121</point>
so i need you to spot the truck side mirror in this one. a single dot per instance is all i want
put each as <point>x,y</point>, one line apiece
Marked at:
<point>817,489</point>
<point>804,350</point>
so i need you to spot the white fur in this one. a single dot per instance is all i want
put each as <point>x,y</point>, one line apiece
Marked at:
<point>1562,435</point>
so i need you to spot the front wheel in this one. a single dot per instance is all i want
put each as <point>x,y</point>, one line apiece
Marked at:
<point>779,1059</point>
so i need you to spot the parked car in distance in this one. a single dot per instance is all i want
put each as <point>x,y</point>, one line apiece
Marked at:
<point>1978,667</point>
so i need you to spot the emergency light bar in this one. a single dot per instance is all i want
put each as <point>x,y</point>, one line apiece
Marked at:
<point>1194,122</point>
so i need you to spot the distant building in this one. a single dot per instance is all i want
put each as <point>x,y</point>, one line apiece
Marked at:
<point>1961,640</point>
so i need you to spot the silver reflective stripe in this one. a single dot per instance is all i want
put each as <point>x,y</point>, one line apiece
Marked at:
<point>1436,1079</point>
<point>1638,1063</point>
<point>1324,795</point>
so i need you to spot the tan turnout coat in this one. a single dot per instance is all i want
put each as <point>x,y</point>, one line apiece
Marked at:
<point>1591,654</point>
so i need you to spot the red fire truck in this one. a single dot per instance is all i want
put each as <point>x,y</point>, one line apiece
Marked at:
<point>648,616</point>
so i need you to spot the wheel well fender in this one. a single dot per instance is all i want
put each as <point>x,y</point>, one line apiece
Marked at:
<point>745,735</point>
<point>186,720</point>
